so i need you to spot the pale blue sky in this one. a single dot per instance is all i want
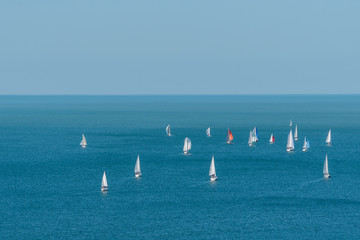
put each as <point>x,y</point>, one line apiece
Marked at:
<point>179,47</point>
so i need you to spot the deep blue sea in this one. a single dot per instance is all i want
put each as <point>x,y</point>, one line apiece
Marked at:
<point>50,186</point>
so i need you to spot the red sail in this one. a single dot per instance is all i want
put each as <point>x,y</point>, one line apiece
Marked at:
<point>230,136</point>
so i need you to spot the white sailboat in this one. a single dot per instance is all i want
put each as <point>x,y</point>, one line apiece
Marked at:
<point>187,146</point>
<point>296,133</point>
<point>272,139</point>
<point>306,145</point>
<point>290,142</point>
<point>104,184</point>
<point>255,135</point>
<point>250,141</point>
<point>208,132</point>
<point>328,138</point>
<point>168,130</point>
<point>290,124</point>
<point>137,167</point>
<point>212,172</point>
<point>83,142</point>
<point>326,168</point>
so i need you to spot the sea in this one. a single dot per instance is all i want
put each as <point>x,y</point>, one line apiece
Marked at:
<point>50,186</point>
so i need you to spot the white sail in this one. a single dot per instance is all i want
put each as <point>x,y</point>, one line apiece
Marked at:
<point>137,165</point>
<point>326,168</point>
<point>104,183</point>
<point>168,130</point>
<point>212,168</point>
<point>271,138</point>
<point>290,124</point>
<point>328,138</point>
<point>306,145</point>
<point>290,142</point>
<point>83,141</point>
<point>208,132</point>
<point>250,141</point>
<point>187,145</point>
<point>296,133</point>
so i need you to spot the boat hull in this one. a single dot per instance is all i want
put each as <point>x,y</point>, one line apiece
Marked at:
<point>137,175</point>
<point>104,189</point>
<point>326,176</point>
<point>305,149</point>
<point>213,178</point>
<point>290,149</point>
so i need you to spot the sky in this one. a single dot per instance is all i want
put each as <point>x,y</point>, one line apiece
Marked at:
<point>115,47</point>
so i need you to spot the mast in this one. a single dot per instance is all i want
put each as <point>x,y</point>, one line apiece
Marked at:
<point>104,183</point>
<point>290,142</point>
<point>296,133</point>
<point>328,138</point>
<point>137,165</point>
<point>250,141</point>
<point>212,167</point>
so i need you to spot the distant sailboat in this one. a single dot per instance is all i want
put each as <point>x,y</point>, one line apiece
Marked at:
<point>296,133</point>
<point>83,142</point>
<point>306,145</point>
<point>187,146</point>
<point>137,167</point>
<point>326,168</point>
<point>212,172</point>
<point>250,141</point>
<point>290,124</point>
<point>208,132</point>
<point>328,138</point>
<point>168,130</point>
<point>272,139</point>
<point>104,184</point>
<point>290,142</point>
<point>255,135</point>
<point>229,137</point>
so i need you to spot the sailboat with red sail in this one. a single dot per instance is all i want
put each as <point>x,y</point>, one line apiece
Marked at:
<point>229,137</point>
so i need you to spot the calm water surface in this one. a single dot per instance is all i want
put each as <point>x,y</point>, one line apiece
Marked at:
<point>50,186</point>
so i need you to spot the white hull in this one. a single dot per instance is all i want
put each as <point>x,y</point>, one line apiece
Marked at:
<point>229,142</point>
<point>137,175</point>
<point>213,178</point>
<point>305,149</point>
<point>187,153</point>
<point>104,189</point>
<point>326,175</point>
<point>296,139</point>
<point>83,146</point>
<point>290,149</point>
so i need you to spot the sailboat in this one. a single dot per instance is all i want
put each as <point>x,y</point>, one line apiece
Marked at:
<point>328,138</point>
<point>187,146</point>
<point>326,168</point>
<point>272,139</point>
<point>255,135</point>
<point>229,137</point>
<point>306,145</point>
<point>137,167</point>
<point>296,133</point>
<point>83,142</point>
<point>208,132</point>
<point>250,141</point>
<point>104,184</point>
<point>168,130</point>
<point>290,124</point>
<point>290,142</point>
<point>212,172</point>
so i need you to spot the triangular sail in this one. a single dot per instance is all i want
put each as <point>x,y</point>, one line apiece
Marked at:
<point>208,132</point>
<point>187,145</point>
<point>83,141</point>
<point>168,130</point>
<point>272,139</point>
<point>104,181</point>
<point>212,167</point>
<point>326,168</point>
<point>296,133</point>
<point>137,165</point>
<point>229,136</point>
<point>290,141</point>
<point>290,124</point>
<point>250,141</point>
<point>328,138</point>
<point>255,135</point>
